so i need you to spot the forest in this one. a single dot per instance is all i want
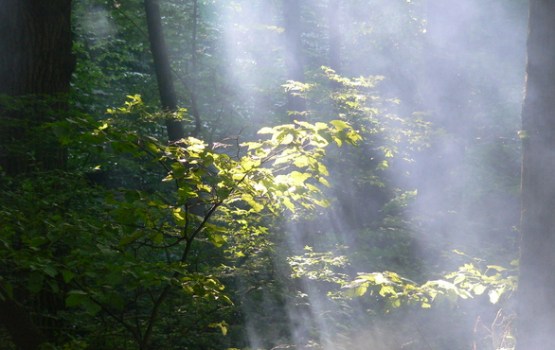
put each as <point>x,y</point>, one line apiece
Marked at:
<point>277,174</point>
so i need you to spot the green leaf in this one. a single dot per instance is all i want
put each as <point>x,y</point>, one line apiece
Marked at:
<point>359,290</point>
<point>386,291</point>
<point>249,199</point>
<point>152,147</point>
<point>126,240</point>
<point>50,270</point>
<point>76,298</point>
<point>221,325</point>
<point>266,130</point>
<point>297,178</point>
<point>67,276</point>
<point>178,216</point>
<point>90,307</point>
<point>35,282</point>
<point>324,182</point>
<point>301,161</point>
<point>217,239</point>
<point>288,204</point>
<point>339,125</point>
<point>286,139</point>
<point>459,279</point>
<point>396,303</point>
<point>496,268</point>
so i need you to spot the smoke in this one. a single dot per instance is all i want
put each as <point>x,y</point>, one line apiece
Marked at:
<point>97,21</point>
<point>456,64</point>
<point>471,86</point>
<point>253,64</point>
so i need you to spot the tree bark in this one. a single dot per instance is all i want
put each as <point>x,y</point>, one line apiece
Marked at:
<point>294,58</point>
<point>23,332</point>
<point>194,76</point>
<point>536,299</point>
<point>166,88</point>
<point>36,64</point>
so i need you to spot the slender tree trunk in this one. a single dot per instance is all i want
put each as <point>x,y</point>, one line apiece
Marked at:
<point>168,97</point>
<point>334,35</point>
<point>294,58</point>
<point>536,293</point>
<point>194,60</point>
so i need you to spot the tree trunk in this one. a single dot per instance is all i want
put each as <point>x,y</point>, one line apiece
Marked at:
<point>334,33</point>
<point>166,88</point>
<point>536,298</point>
<point>36,64</point>
<point>194,76</point>
<point>16,320</point>
<point>294,58</point>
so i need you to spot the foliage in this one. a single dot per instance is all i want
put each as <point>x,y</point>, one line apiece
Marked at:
<point>390,293</point>
<point>120,251</point>
<point>318,266</point>
<point>465,283</point>
<point>358,101</point>
<point>472,279</point>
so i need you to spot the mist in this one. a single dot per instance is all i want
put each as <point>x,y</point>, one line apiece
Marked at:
<point>453,199</point>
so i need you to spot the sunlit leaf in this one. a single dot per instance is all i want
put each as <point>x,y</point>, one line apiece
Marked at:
<point>339,124</point>
<point>496,268</point>
<point>459,279</point>
<point>217,239</point>
<point>256,207</point>
<point>288,204</point>
<point>386,290</point>
<point>301,161</point>
<point>479,289</point>
<point>266,130</point>
<point>324,182</point>
<point>221,325</point>
<point>178,216</point>
<point>495,294</point>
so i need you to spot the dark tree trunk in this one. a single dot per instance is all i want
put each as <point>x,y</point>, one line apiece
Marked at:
<point>536,293</point>
<point>16,320</point>
<point>168,97</point>
<point>294,58</point>
<point>36,64</point>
